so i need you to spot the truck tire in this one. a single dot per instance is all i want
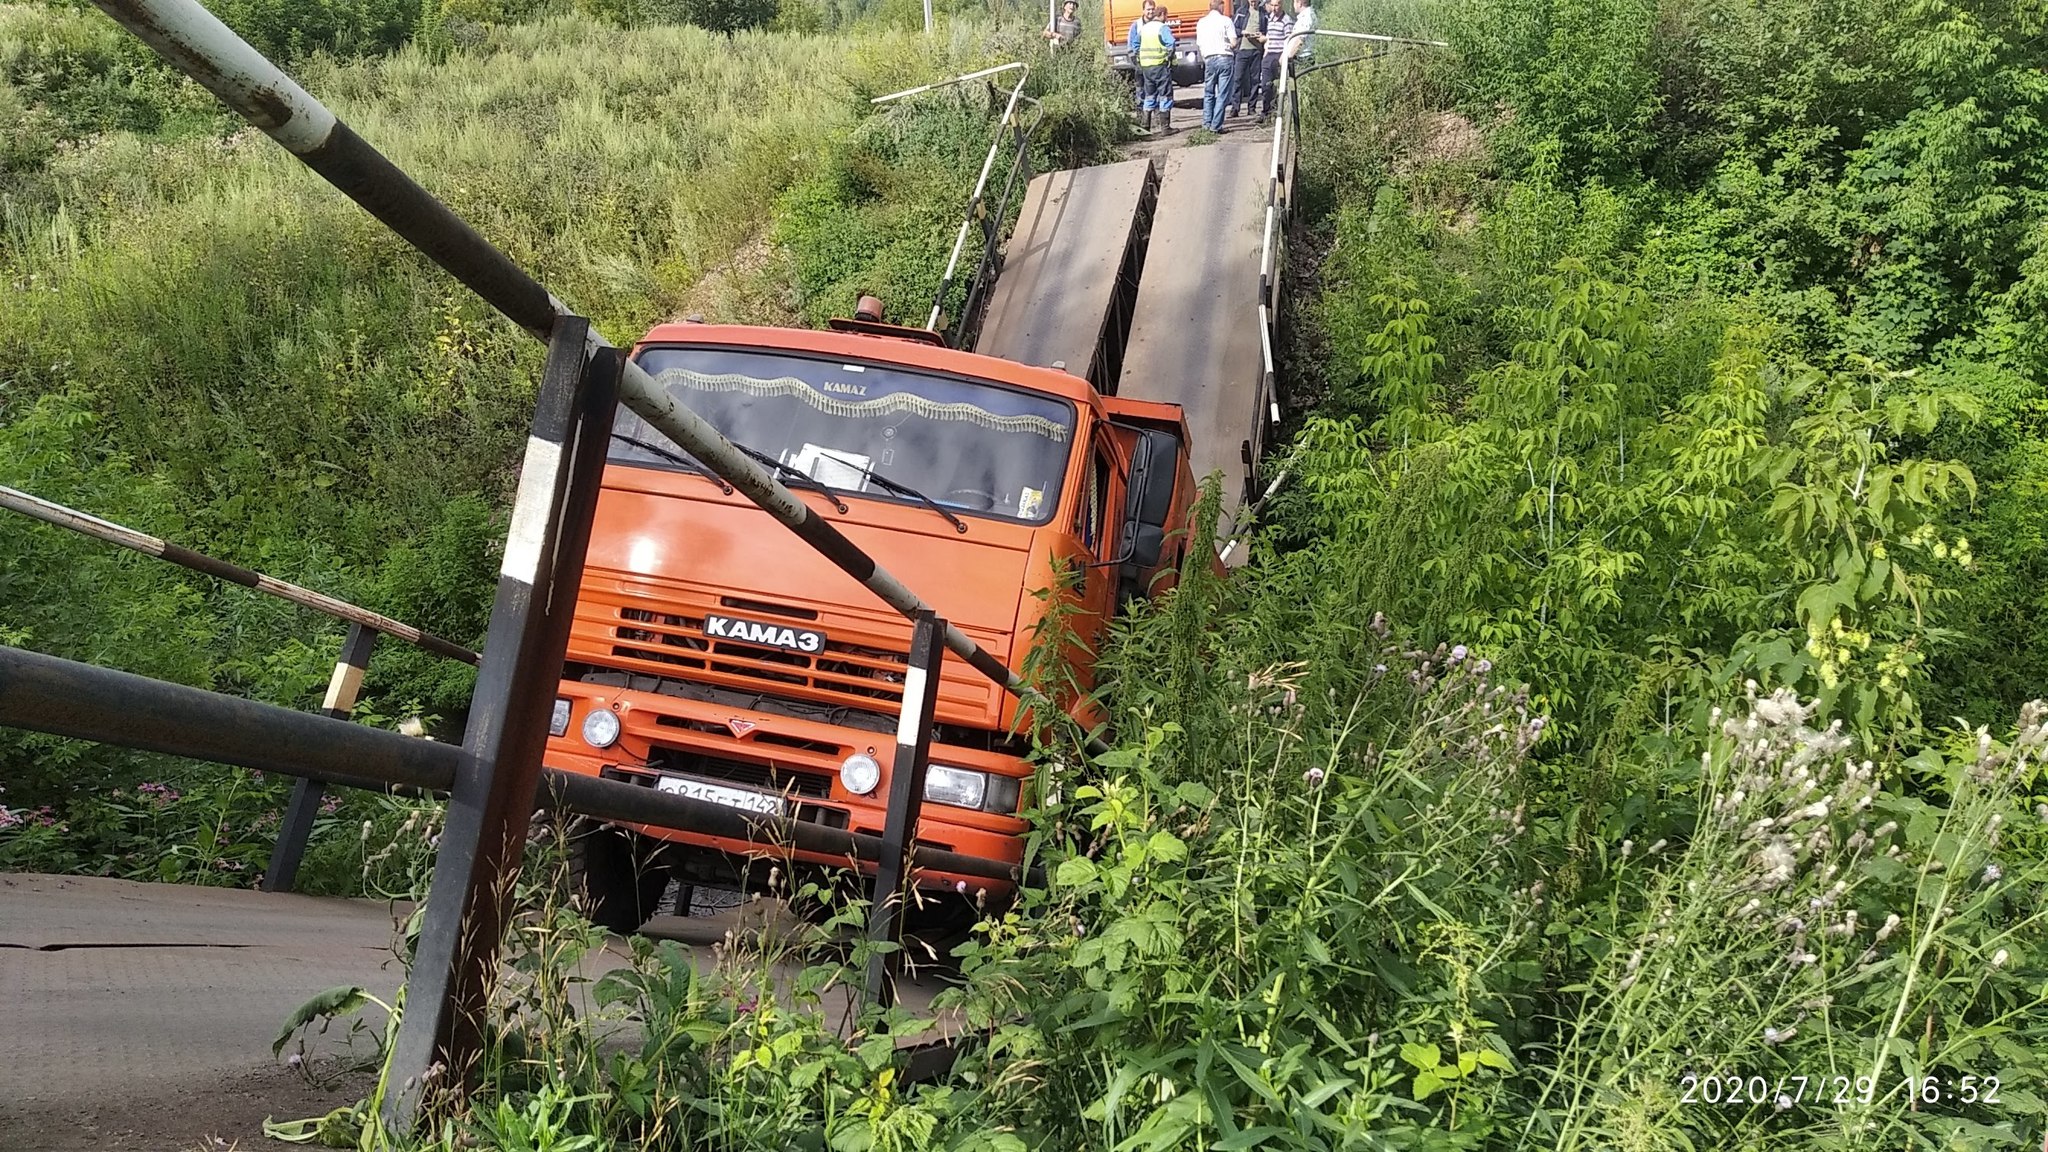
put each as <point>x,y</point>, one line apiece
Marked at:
<point>613,878</point>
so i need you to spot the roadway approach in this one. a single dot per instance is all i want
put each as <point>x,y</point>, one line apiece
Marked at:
<point>139,1017</point>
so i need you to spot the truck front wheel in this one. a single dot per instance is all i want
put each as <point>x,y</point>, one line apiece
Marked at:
<point>614,876</point>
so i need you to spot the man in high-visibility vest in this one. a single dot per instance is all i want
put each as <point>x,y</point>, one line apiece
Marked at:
<point>1151,46</point>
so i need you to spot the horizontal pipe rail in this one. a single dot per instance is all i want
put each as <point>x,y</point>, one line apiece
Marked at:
<point>50,512</point>
<point>1381,39</point>
<point>66,698</point>
<point>189,37</point>
<point>987,165</point>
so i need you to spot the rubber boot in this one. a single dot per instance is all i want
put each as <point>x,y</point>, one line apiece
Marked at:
<point>1148,119</point>
<point>1166,119</point>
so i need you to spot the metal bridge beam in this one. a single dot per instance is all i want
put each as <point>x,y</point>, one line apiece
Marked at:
<point>297,826</point>
<point>491,806</point>
<point>40,693</point>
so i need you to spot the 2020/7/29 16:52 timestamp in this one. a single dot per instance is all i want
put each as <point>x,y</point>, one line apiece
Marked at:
<point>1783,1092</point>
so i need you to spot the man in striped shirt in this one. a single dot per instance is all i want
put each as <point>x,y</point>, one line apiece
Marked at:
<point>1279,25</point>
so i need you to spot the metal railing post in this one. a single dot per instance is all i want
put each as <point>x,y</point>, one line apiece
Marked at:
<point>490,808</point>
<point>906,803</point>
<point>297,825</point>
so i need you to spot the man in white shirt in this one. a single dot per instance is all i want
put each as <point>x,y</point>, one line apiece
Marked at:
<point>1216,38</point>
<point>1298,51</point>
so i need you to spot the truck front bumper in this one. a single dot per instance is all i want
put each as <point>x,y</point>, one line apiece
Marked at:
<point>765,762</point>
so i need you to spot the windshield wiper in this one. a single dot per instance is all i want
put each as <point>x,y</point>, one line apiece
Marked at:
<point>907,490</point>
<point>793,473</point>
<point>674,458</point>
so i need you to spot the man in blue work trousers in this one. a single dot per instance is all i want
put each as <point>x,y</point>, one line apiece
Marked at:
<point>1216,37</point>
<point>1152,47</point>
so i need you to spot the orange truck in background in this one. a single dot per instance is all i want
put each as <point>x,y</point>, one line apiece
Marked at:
<point>1119,15</point>
<point>715,655</point>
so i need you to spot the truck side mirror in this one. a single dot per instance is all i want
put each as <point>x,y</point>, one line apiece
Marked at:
<point>1148,502</point>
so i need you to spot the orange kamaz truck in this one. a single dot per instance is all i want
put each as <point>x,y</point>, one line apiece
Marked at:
<point>717,656</point>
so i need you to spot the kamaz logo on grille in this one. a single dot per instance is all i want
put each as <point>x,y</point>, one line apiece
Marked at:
<point>767,635</point>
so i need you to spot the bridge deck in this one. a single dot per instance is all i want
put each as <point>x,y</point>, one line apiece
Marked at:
<point>1064,280</point>
<point>1194,332</point>
<point>140,1016</point>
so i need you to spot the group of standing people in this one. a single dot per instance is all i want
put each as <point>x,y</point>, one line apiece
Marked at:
<point>1242,57</point>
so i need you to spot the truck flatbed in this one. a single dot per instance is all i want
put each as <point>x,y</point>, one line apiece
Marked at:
<point>1195,337</point>
<point>1070,270</point>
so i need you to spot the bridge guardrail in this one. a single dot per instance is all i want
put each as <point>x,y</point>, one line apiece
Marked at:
<point>1280,186</point>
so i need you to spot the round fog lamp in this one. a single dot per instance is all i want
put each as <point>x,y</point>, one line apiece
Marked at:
<point>601,728</point>
<point>861,774</point>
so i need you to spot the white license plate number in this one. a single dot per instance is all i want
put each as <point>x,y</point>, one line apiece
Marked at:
<point>741,798</point>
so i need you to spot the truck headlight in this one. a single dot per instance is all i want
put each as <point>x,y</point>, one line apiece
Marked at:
<point>960,787</point>
<point>601,728</point>
<point>558,724</point>
<point>860,774</point>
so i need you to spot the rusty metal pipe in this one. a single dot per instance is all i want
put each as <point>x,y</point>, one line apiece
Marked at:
<point>188,36</point>
<point>57,514</point>
<point>65,698</point>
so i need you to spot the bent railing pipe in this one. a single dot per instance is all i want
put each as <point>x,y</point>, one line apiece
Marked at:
<point>198,44</point>
<point>987,165</point>
<point>50,512</point>
<point>84,701</point>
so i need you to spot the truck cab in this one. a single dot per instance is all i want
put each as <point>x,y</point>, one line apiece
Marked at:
<point>715,655</point>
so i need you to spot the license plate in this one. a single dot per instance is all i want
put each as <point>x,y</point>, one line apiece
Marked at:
<point>741,798</point>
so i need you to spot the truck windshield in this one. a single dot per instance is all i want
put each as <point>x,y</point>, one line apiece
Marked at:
<point>967,445</point>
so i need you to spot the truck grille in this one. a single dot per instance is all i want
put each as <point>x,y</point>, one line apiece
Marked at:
<point>870,679</point>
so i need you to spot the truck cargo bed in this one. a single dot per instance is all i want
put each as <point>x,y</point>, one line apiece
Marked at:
<point>1070,270</point>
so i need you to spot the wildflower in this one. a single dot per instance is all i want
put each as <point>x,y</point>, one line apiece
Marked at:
<point>1381,669</point>
<point>1627,848</point>
<point>1775,1036</point>
<point>1312,777</point>
<point>412,726</point>
<point>1891,925</point>
<point>1483,667</point>
<point>1784,1102</point>
<point>294,1060</point>
<point>366,831</point>
<point>1999,958</point>
<point>960,886</point>
<point>1459,653</point>
<point>1992,872</point>
<point>1657,847</point>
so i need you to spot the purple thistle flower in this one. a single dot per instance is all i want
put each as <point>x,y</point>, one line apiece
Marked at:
<point>1458,653</point>
<point>1483,667</point>
<point>1312,777</point>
